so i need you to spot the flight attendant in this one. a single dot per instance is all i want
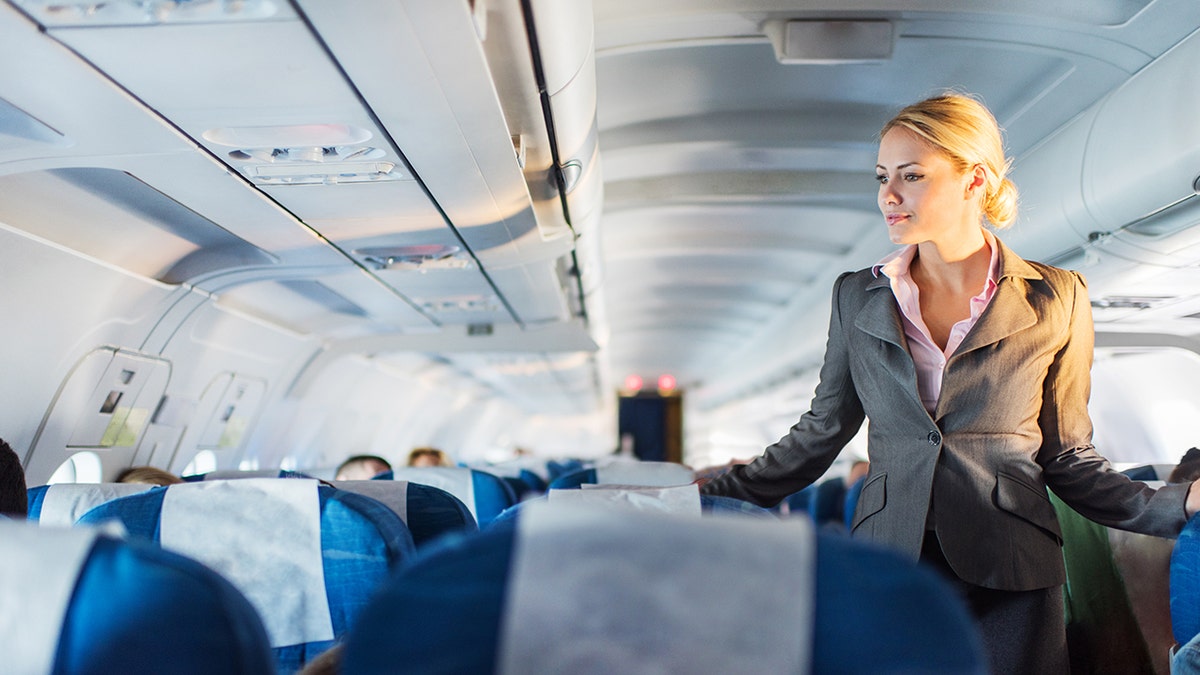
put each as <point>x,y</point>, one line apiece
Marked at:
<point>973,367</point>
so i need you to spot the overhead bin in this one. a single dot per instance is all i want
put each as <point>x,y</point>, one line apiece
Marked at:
<point>1121,179</point>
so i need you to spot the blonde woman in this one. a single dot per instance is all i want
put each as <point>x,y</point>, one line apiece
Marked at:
<point>973,366</point>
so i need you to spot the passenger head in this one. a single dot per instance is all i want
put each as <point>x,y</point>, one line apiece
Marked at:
<point>13,499</point>
<point>427,457</point>
<point>362,467</point>
<point>1188,468</point>
<point>962,129</point>
<point>147,475</point>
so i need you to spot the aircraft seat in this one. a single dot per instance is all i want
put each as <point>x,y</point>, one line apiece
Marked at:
<point>234,474</point>
<point>1116,598</point>
<point>79,602</point>
<point>660,474</point>
<point>307,556</point>
<point>709,505</point>
<point>828,502</point>
<point>429,512</point>
<point>1149,472</point>
<point>587,591</point>
<point>484,494</point>
<point>851,503</point>
<point>1185,583</point>
<point>64,503</point>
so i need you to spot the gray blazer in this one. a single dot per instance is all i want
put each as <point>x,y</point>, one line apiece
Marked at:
<point>1011,421</point>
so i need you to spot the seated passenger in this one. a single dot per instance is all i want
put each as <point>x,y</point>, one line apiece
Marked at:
<point>428,457</point>
<point>362,467</point>
<point>1188,468</point>
<point>13,500</point>
<point>147,475</point>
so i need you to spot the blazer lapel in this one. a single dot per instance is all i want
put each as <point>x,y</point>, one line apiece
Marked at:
<point>1009,311</point>
<point>880,318</point>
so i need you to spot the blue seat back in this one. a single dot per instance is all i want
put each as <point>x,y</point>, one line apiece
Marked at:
<point>429,512</point>
<point>64,503</point>
<point>234,474</point>
<point>851,505</point>
<point>827,503</point>
<point>484,494</point>
<point>1185,583</point>
<point>361,542</point>
<point>875,612</point>
<point>134,608</point>
<point>574,479</point>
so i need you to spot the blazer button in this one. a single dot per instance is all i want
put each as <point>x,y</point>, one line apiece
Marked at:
<point>934,438</point>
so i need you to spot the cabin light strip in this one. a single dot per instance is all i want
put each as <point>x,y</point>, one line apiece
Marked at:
<point>65,13</point>
<point>325,173</point>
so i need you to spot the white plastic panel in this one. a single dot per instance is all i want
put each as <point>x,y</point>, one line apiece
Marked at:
<point>228,406</point>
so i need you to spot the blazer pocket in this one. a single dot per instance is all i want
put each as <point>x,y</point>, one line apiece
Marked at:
<point>871,500</point>
<point>1028,503</point>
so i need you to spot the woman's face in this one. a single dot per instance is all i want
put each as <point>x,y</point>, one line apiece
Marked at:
<point>921,194</point>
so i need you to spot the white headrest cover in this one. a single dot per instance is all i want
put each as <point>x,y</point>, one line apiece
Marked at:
<point>644,473</point>
<point>456,480</point>
<point>681,500</point>
<point>39,567</point>
<point>264,536</point>
<point>64,503</point>
<point>391,493</point>
<point>599,591</point>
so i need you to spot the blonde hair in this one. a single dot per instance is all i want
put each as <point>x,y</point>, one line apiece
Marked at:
<point>439,457</point>
<point>147,475</point>
<point>967,133</point>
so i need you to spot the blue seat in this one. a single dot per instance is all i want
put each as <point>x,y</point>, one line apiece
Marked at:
<point>429,512</point>
<point>874,611</point>
<point>113,606</point>
<point>709,505</point>
<point>64,503</point>
<point>233,474</point>
<point>627,473</point>
<point>827,504</point>
<point>485,494</point>
<point>851,504</point>
<point>561,467</point>
<point>800,501</point>
<point>321,573</point>
<point>1185,583</point>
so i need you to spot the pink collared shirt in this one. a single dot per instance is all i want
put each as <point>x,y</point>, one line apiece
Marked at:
<point>930,361</point>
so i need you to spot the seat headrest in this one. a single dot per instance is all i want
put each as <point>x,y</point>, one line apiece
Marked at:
<point>271,552</point>
<point>678,500</point>
<point>644,473</point>
<point>77,601</point>
<point>38,572</point>
<point>62,504</point>
<point>593,590</point>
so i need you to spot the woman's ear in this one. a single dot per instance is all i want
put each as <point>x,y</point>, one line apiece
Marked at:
<point>977,179</point>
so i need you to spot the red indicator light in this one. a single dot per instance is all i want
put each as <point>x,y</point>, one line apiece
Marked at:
<point>633,383</point>
<point>666,383</point>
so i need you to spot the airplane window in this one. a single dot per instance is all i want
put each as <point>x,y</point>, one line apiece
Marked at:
<point>82,467</point>
<point>1144,404</point>
<point>203,462</point>
<point>250,464</point>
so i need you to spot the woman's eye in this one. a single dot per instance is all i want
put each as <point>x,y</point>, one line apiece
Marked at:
<point>912,177</point>
<point>881,179</point>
